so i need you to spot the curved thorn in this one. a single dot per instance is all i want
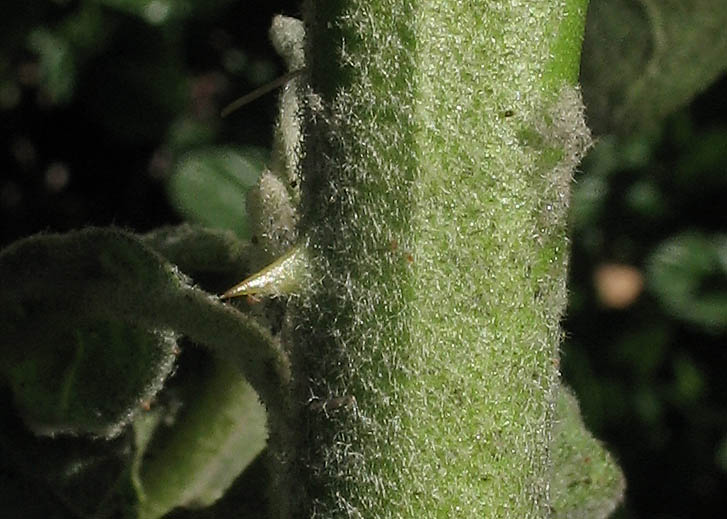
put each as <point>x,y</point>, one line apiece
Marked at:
<point>284,276</point>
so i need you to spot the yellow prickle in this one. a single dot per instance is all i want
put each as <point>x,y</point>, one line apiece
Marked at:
<point>284,276</point>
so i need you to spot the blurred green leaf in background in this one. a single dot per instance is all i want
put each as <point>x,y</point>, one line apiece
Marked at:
<point>649,224</point>
<point>645,348</point>
<point>209,185</point>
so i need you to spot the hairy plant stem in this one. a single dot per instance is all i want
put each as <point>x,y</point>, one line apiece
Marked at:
<point>440,140</point>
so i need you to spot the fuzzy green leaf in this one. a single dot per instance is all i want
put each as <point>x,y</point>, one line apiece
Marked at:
<point>93,379</point>
<point>60,284</point>
<point>243,500</point>
<point>209,443</point>
<point>72,370</point>
<point>586,482</point>
<point>212,257</point>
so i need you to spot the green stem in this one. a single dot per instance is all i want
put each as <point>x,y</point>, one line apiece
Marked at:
<point>435,185</point>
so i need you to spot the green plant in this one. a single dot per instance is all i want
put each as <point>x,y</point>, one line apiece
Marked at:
<point>409,363</point>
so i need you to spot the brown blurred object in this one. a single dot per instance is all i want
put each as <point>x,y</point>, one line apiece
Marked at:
<point>618,286</point>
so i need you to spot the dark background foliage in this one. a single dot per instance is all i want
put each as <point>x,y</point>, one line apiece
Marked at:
<point>102,99</point>
<point>647,370</point>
